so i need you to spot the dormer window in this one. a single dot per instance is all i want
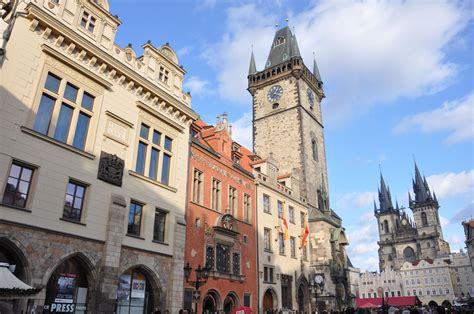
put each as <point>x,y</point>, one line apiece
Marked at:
<point>164,74</point>
<point>88,21</point>
<point>279,41</point>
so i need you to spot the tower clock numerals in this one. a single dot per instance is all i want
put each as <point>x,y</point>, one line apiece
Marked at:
<point>275,93</point>
<point>310,94</point>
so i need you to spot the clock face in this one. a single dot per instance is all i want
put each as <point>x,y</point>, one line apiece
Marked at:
<point>318,279</point>
<point>310,94</point>
<point>274,93</point>
<point>404,222</point>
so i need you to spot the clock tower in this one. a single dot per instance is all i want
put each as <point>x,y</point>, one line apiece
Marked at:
<point>287,120</point>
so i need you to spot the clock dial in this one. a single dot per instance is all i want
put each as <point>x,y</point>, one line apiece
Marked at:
<point>404,222</point>
<point>274,93</point>
<point>310,94</point>
<point>318,279</point>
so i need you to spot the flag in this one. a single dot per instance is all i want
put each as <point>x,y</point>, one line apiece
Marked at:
<point>304,236</point>
<point>284,229</point>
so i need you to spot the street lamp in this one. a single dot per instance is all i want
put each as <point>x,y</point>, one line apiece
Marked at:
<point>202,273</point>
<point>316,283</point>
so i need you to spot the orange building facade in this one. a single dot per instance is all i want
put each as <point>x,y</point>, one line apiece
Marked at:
<point>220,220</point>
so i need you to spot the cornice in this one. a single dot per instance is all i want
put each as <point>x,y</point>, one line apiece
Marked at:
<point>106,64</point>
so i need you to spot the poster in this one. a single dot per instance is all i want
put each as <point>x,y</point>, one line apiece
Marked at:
<point>66,288</point>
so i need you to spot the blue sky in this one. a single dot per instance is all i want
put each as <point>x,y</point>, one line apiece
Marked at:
<point>398,78</point>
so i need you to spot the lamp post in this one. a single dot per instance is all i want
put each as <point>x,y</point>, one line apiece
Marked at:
<point>316,283</point>
<point>202,273</point>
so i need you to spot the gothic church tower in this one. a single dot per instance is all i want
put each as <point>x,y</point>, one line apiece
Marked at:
<point>287,119</point>
<point>403,240</point>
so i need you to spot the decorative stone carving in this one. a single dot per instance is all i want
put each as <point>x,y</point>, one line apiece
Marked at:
<point>110,169</point>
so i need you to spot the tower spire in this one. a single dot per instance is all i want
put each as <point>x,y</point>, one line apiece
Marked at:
<point>252,67</point>
<point>316,69</point>
<point>420,187</point>
<point>385,198</point>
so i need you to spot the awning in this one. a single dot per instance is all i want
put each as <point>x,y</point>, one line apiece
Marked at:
<point>11,287</point>
<point>390,301</point>
<point>243,310</point>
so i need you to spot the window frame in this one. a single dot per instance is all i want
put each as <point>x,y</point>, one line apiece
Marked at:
<point>59,100</point>
<point>266,209</point>
<point>136,202</point>
<point>163,232</point>
<point>216,194</point>
<point>198,182</point>
<point>247,208</point>
<point>150,146</point>
<point>86,28</point>
<point>269,249</point>
<point>31,183</point>
<point>84,199</point>
<point>292,247</point>
<point>232,195</point>
<point>291,214</point>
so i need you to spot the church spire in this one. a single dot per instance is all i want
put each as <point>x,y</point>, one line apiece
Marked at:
<point>385,198</point>
<point>252,67</point>
<point>420,187</point>
<point>316,69</point>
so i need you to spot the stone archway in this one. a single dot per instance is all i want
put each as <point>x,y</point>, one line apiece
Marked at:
<point>432,304</point>
<point>71,284</point>
<point>231,301</point>
<point>303,295</point>
<point>211,302</point>
<point>139,289</point>
<point>270,301</point>
<point>12,254</point>
<point>446,304</point>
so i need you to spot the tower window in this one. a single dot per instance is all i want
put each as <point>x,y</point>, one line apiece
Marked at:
<point>385,226</point>
<point>279,41</point>
<point>275,106</point>
<point>314,148</point>
<point>424,220</point>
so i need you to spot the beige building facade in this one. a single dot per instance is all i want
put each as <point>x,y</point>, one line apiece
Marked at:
<point>462,275</point>
<point>371,283</point>
<point>429,280</point>
<point>93,161</point>
<point>283,266</point>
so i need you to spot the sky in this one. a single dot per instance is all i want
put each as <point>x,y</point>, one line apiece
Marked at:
<point>398,78</point>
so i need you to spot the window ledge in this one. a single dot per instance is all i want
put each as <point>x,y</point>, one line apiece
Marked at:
<point>269,282</point>
<point>16,207</point>
<point>159,242</point>
<point>72,221</point>
<point>268,251</point>
<point>137,175</point>
<point>134,236</point>
<point>216,274</point>
<point>269,213</point>
<point>56,142</point>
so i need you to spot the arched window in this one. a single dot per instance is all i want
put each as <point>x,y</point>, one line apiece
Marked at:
<point>409,254</point>
<point>314,148</point>
<point>385,226</point>
<point>424,220</point>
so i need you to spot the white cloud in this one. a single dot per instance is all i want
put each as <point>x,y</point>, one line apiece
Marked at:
<point>242,130</point>
<point>444,221</point>
<point>184,51</point>
<point>363,248</point>
<point>355,200</point>
<point>369,52</point>
<point>196,85</point>
<point>455,239</point>
<point>455,117</point>
<point>451,184</point>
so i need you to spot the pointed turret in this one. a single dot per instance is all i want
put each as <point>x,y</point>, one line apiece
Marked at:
<point>385,199</point>
<point>316,69</point>
<point>252,67</point>
<point>420,187</point>
<point>284,47</point>
<point>434,198</point>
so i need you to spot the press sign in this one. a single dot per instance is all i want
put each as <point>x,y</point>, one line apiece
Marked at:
<point>61,308</point>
